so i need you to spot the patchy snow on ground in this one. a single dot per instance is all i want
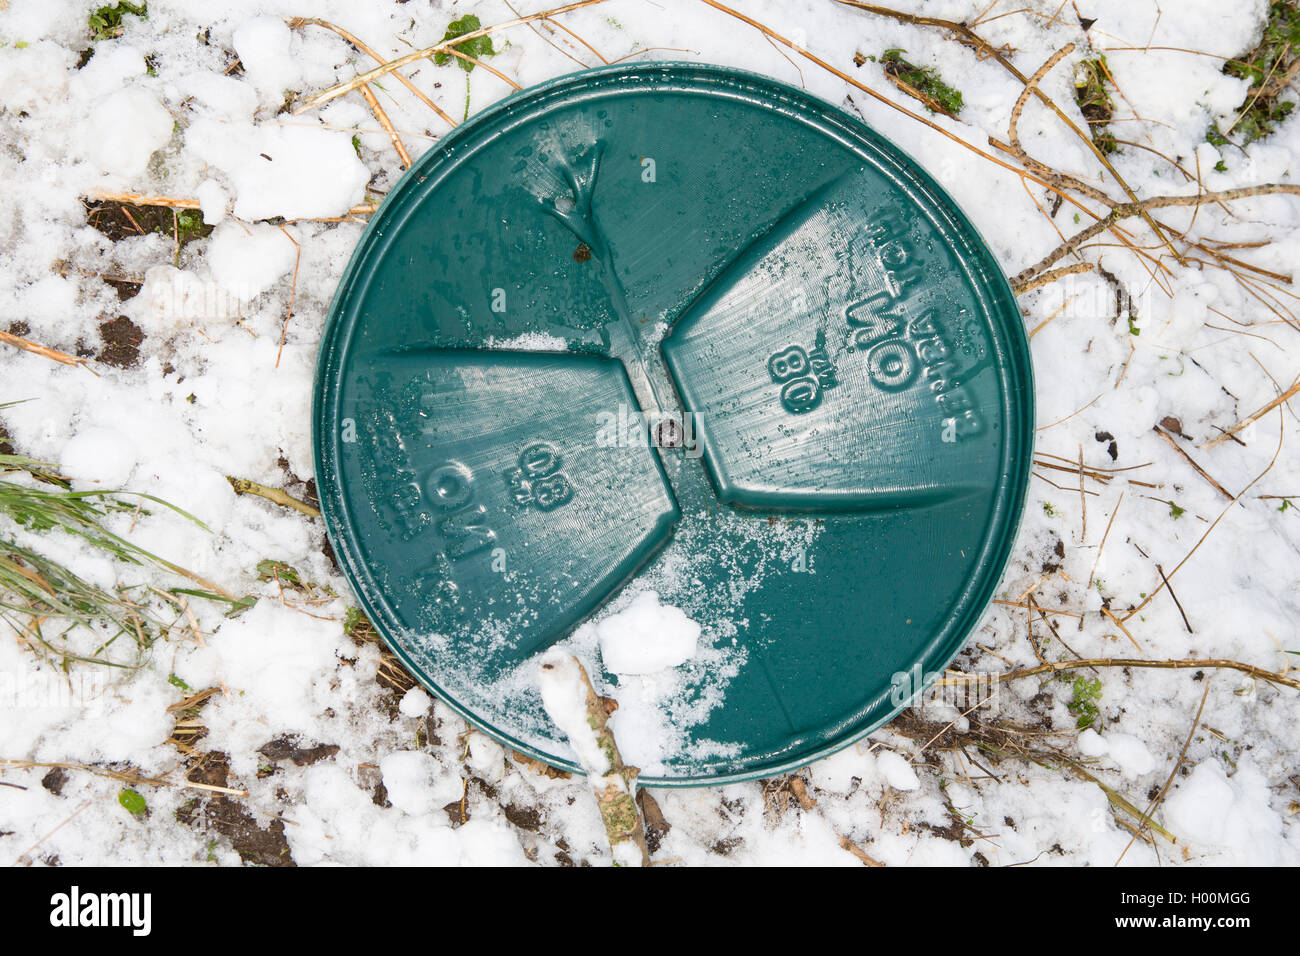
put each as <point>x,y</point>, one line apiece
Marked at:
<point>341,760</point>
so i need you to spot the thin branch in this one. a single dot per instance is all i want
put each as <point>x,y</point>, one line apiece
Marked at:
<point>1128,210</point>
<point>1055,275</point>
<point>244,486</point>
<point>956,680</point>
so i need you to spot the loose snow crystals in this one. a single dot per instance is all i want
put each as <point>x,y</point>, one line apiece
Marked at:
<point>646,637</point>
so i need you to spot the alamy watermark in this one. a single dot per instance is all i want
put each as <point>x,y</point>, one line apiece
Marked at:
<point>629,427</point>
<point>965,692</point>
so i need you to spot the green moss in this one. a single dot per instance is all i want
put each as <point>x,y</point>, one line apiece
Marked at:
<point>1092,94</point>
<point>937,95</point>
<point>357,626</point>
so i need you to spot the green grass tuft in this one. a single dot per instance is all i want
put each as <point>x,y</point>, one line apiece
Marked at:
<point>1084,705</point>
<point>106,22</point>
<point>53,609</point>
<point>1267,67</point>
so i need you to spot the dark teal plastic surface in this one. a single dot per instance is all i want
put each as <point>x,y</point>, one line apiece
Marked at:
<point>830,370</point>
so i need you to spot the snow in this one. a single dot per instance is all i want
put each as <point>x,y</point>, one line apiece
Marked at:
<point>246,260</point>
<point>262,44</point>
<point>1130,753</point>
<point>214,394</point>
<point>646,637</point>
<point>1093,744</point>
<point>213,201</point>
<point>297,170</point>
<point>417,783</point>
<point>100,456</point>
<point>898,772</point>
<point>125,129</point>
<point>415,703</point>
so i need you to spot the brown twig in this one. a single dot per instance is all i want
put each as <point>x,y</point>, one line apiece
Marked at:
<point>1047,278</point>
<point>954,680</point>
<point>244,486</point>
<point>865,858</point>
<point>1188,458</point>
<point>1128,210</point>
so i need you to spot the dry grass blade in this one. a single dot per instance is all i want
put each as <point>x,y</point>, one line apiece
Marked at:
<point>483,63</point>
<point>36,590</point>
<point>1182,755</point>
<point>1282,399</point>
<point>54,355</point>
<point>401,78</point>
<point>389,66</point>
<point>1169,439</point>
<point>1164,580</point>
<point>402,155</point>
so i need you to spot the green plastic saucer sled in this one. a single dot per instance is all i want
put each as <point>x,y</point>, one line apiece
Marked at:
<point>676,327</point>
